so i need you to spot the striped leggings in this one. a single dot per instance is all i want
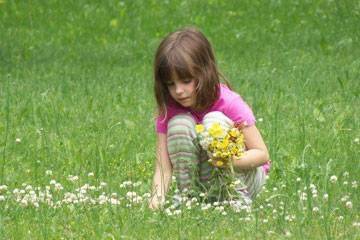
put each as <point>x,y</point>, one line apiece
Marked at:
<point>189,160</point>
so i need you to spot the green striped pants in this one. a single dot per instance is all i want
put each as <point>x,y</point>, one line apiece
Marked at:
<point>190,162</point>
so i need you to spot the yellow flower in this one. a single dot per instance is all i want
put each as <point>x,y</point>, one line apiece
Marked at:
<point>219,163</point>
<point>234,132</point>
<point>199,128</point>
<point>215,130</point>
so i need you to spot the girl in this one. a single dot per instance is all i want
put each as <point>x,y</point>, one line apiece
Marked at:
<point>188,91</point>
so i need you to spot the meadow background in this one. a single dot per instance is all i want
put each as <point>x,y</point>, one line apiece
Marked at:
<point>76,98</point>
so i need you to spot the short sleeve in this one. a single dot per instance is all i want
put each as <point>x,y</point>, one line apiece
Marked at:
<point>240,112</point>
<point>161,124</point>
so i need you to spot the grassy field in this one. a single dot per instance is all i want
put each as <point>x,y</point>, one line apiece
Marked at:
<point>77,117</point>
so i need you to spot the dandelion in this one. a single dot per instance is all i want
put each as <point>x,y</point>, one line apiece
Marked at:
<point>333,179</point>
<point>199,128</point>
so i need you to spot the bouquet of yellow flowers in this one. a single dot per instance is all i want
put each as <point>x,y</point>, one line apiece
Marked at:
<point>222,144</point>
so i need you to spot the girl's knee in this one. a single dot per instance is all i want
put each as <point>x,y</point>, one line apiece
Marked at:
<point>182,123</point>
<point>219,117</point>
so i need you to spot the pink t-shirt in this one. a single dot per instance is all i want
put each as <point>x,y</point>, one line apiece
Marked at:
<point>229,103</point>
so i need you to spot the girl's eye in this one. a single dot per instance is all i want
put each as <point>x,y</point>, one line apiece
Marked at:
<point>187,80</point>
<point>169,84</point>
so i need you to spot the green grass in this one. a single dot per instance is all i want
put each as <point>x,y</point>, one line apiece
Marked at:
<point>76,89</point>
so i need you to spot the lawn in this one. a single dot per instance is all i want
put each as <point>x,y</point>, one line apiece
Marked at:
<point>77,135</point>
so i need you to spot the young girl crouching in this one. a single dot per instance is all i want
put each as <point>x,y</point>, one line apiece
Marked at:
<point>188,92</point>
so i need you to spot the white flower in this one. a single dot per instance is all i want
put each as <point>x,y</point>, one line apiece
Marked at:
<point>137,184</point>
<point>18,140</point>
<point>58,187</point>
<point>356,140</point>
<point>315,209</point>
<point>344,198</point>
<point>349,204</point>
<point>340,218</point>
<point>354,184</point>
<point>3,188</point>
<point>356,224</point>
<point>72,178</point>
<point>48,172</point>
<point>2,198</point>
<point>333,179</point>
<point>346,174</point>
<point>168,212</point>
<point>91,174</point>
<point>177,212</point>
<point>326,197</point>
<point>298,179</point>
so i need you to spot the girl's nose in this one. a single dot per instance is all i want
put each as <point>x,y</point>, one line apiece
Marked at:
<point>179,89</point>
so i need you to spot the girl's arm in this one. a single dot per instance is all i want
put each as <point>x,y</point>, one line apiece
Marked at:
<point>256,154</point>
<point>163,173</point>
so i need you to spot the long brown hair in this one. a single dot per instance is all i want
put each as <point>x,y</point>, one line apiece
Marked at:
<point>188,54</point>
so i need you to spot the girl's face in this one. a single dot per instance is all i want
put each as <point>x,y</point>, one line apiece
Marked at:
<point>182,91</point>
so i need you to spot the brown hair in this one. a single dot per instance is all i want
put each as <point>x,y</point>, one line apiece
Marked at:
<point>188,54</point>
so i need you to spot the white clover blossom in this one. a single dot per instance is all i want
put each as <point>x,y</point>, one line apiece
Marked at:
<point>349,204</point>
<point>326,197</point>
<point>315,209</point>
<point>333,179</point>
<point>48,172</point>
<point>72,178</point>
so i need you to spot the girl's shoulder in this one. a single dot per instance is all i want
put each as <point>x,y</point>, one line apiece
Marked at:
<point>227,94</point>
